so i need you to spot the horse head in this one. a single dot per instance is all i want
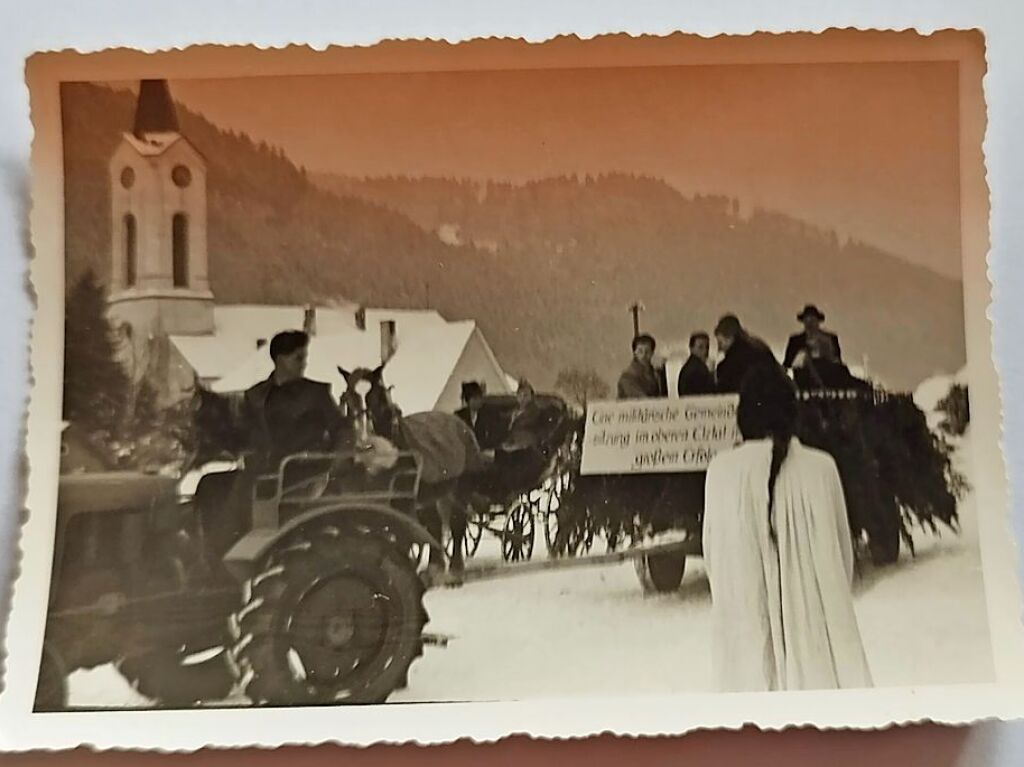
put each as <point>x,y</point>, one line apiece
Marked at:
<point>216,421</point>
<point>367,404</point>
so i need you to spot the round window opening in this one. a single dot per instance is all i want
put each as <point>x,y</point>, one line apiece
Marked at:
<point>127,178</point>
<point>181,176</point>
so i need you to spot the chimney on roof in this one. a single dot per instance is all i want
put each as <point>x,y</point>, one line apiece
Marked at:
<point>361,318</point>
<point>309,320</point>
<point>154,111</point>
<point>388,340</point>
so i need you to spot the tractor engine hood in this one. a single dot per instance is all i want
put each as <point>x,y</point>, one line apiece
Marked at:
<point>103,491</point>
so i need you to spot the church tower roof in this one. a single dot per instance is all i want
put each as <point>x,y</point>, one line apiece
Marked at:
<point>154,111</point>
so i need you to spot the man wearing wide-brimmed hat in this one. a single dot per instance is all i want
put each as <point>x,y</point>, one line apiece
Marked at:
<point>814,341</point>
<point>487,423</point>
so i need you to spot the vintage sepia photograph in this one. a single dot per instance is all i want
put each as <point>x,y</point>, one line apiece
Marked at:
<point>513,383</point>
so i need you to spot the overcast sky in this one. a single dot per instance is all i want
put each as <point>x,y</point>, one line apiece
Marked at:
<point>870,150</point>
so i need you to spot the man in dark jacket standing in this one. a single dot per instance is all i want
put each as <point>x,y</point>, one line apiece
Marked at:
<point>695,377</point>
<point>640,379</point>
<point>742,353</point>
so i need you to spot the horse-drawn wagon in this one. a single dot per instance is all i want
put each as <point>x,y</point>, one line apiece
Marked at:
<point>513,508</point>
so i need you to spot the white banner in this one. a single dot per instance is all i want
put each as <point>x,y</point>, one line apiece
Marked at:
<point>658,435</point>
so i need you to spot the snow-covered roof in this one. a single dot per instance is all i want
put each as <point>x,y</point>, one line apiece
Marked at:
<point>426,356</point>
<point>239,330</point>
<point>212,356</point>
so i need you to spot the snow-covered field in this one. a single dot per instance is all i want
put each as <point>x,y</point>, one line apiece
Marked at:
<point>590,631</point>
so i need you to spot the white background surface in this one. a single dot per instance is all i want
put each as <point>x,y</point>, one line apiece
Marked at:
<point>58,24</point>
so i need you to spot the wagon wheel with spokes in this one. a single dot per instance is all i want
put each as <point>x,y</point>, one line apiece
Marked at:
<point>470,541</point>
<point>621,535</point>
<point>518,532</point>
<point>565,531</point>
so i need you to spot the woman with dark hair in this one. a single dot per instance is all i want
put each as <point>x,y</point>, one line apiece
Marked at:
<point>779,554</point>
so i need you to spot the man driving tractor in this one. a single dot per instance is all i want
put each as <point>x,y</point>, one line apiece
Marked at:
<point>288,413</point>
<point>282,415</point>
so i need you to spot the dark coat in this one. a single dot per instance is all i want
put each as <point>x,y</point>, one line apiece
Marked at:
<point>798,343</point>
<point>302,416</point>
<point>825,374</point>
<point>641,382</point>
<point>745,353</point>
<point>490,427</point>
<point>695,378</point>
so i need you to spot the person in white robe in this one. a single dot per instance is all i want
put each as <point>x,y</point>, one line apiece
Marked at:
<point>781,577</point>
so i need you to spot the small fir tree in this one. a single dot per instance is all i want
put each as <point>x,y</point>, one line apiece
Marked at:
<point>96,386</point>
<point>121,415</point>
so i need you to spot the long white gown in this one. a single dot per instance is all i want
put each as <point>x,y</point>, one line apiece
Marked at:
<point>782,617</point>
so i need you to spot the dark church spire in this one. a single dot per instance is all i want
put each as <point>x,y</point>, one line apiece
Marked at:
<point>154,112</point>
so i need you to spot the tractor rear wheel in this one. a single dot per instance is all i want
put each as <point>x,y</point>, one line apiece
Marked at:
<point>336,616</point>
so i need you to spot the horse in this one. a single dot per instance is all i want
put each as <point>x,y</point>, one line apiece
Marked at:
<point>218,429</point>
<point>446,446</point>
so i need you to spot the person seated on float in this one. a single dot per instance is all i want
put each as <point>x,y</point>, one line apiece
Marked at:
<point>642,379</point>
<point>742,352</point>
<point>695,377</point>
<point>518,462</point>
<point>486,421</point>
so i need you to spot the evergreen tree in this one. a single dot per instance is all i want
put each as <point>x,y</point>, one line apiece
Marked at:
<point>121,415</point>
<point>96,387</point>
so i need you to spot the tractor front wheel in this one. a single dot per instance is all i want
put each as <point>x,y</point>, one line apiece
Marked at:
<point>176,678</point>
<point>336,616</point>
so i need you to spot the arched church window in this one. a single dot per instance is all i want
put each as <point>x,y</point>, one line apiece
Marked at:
<point>179,250</point>
<point>128,177</point>
<point>131,253</point>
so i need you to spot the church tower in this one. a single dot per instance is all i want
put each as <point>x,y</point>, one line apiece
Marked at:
<point>159,284</point>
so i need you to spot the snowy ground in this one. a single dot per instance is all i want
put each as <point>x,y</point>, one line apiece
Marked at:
<point>591,631</point>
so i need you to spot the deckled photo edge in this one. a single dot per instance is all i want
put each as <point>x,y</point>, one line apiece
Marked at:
<point>34,566</point>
